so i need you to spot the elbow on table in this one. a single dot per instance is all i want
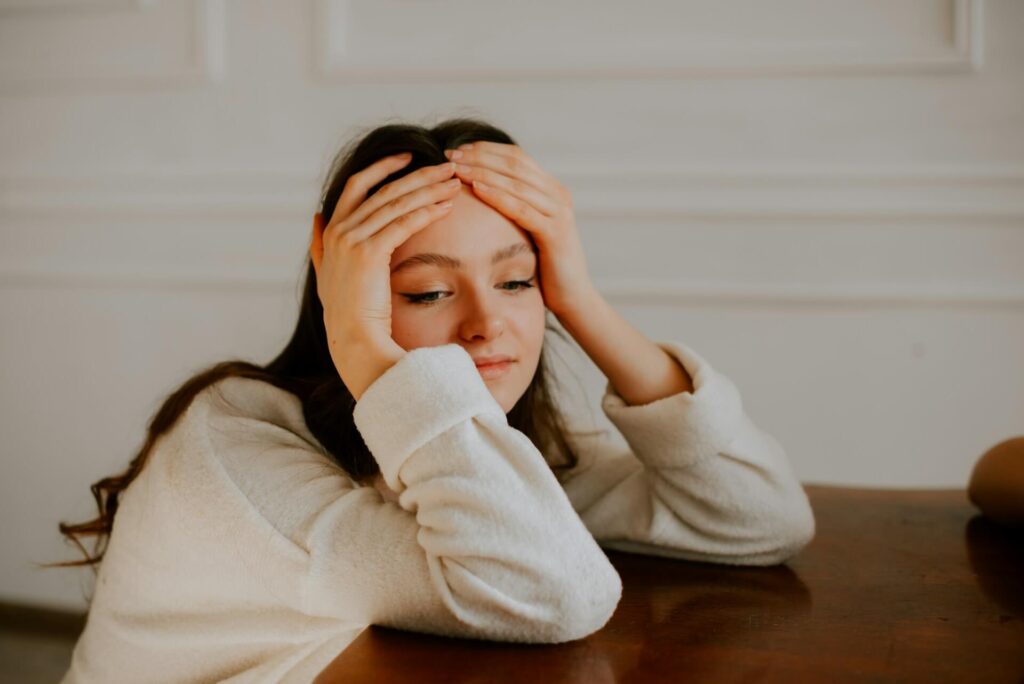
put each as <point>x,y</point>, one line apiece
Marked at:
<point>586,607</point>
<point>791,533</point>
<point>568,608</point>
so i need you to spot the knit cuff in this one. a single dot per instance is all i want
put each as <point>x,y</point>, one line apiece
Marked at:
<point>684,428</point>
<point>428,391</point>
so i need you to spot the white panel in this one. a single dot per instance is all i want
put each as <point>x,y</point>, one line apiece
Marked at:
<point>458,39</point>
<point>802,236</point>
<point>825,199</point>
<point>82,373</point>
<point>24,6</point>
<point>82,46</point>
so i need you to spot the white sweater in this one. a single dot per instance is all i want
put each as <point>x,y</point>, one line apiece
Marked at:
<point>243,553</point>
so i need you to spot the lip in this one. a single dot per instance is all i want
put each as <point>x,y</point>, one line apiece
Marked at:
<point>491,360</point>
<point>494,370</point>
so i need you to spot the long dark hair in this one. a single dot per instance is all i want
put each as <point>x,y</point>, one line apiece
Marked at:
<point>305,368</point>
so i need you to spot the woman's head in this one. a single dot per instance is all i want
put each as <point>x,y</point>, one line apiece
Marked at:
<point>481,306</point>
<point>469,278</point>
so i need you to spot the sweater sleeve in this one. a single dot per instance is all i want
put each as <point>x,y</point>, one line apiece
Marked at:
<point>698,480</point>
<point>482,541</point>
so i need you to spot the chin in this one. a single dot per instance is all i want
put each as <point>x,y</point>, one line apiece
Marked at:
<point>499,397</point>
<point>502,398</point>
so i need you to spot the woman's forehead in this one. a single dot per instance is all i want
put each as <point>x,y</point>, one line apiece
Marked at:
<point>471,231</point>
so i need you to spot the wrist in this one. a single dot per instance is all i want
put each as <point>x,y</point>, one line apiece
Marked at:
<point>366,367</point>
<point>579,309</point>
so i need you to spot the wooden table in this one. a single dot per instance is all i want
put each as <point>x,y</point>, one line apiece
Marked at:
<point>897,585</point>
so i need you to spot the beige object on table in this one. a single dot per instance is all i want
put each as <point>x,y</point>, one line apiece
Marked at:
<point>997,482</point>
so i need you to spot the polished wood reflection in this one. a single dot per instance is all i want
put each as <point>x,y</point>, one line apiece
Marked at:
<point>897,585</point>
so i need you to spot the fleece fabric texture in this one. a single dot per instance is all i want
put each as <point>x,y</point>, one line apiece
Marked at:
<point>243,553</point>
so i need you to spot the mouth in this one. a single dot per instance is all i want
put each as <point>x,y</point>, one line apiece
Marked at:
<point>494,370</point>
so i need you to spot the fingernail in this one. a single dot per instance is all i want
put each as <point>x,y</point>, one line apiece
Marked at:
<point>455,154</point>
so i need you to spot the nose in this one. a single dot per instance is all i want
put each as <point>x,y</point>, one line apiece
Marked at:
<point>482,318</point>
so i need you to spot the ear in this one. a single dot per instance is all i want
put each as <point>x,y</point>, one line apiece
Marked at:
<point>316,245</point>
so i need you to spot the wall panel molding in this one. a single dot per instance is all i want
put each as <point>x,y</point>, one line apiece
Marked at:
<point>78,46</point>
<point>16,7</point>
<point>716,40</point>
<point>647,192</point>
<point>267,209</point>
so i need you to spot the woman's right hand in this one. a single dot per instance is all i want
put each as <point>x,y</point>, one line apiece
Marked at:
<point>352,258</point>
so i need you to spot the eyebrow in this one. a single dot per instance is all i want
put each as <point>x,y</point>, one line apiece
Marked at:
<point>449,262</point>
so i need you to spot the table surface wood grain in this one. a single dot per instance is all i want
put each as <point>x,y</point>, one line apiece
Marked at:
<point>897,585</point>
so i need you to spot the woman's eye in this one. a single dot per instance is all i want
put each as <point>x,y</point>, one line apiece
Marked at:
<point>426,298</point>
<point>522,284</point>
<point>422,298</point>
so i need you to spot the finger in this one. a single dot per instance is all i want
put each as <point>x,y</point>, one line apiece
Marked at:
<point>514,208</point>
<point>359,183</point>
<point>401,229</point>
<point>512,166</point>
<point>503,150</point>
<point>542,201</point>
<point>404,205</point>
<point>403,186</point>
<point>316,247</point>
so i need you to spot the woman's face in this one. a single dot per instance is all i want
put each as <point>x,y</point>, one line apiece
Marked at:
<point>478,305</point>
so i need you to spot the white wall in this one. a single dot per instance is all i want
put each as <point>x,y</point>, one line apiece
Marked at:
<point>826,201</point>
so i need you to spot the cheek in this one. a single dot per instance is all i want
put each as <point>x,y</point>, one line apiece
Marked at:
<point>410,327</point>
<point>527,310</point>
<point>541,321</point>
<point>534,321</point>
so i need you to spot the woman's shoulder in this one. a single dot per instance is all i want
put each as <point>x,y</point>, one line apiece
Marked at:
<point>250,408</point>
<point>253,397</point>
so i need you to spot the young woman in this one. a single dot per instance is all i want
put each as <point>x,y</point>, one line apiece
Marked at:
<point>402,461</point>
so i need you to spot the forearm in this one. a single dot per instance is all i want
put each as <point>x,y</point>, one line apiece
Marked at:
<point>482,541</point>
<point>639,370</point>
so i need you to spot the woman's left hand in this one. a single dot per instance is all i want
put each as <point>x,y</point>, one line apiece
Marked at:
<point>507,179</point>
